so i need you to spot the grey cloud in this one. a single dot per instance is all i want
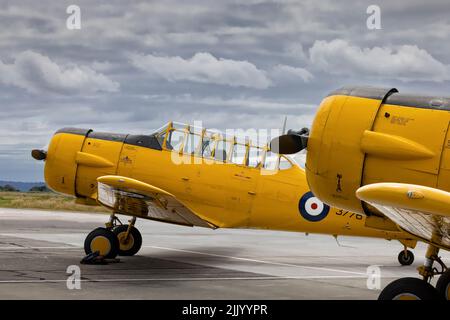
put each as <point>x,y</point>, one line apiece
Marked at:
<point>37,74</point>
<point>406,62</point>
<point>204,68</point>
<point>283,73</point>
<point>274,36</point>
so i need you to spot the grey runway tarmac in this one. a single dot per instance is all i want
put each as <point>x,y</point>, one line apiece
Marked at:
<point>176,262</point>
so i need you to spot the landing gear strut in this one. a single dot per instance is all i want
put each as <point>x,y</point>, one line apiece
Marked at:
<point>130,239</point>
<point>417,289</point>
<point>115,239</point>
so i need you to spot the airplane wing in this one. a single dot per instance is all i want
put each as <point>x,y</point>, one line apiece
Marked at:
<point>421,211</point>
<point>136,198</point>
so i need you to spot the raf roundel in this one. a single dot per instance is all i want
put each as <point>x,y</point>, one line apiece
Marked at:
<point>311,208</point>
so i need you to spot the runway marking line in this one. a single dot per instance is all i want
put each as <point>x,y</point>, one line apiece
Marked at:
<point>182,279</point>
<point>18,248</point>
<point>35,248</point>
<point>258,261</point>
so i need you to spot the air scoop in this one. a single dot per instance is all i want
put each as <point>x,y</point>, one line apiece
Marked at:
<point>39,154</point>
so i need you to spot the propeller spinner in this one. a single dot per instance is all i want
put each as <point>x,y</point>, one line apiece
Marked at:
<point>39,154</point>
<point>292,142</point>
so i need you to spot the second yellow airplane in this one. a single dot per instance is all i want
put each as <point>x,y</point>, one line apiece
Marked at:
<point>194,177</point>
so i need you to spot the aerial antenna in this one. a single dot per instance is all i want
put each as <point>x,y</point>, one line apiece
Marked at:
<point>335,236</point>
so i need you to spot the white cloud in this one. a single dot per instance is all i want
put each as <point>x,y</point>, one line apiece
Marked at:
<point>245,103</point>
<point>37,73</point>
<point>406,62</point>
<point>203,68</point>
<point>283,73</point>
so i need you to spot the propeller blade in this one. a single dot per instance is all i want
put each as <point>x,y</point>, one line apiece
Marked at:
<point>39,154</point>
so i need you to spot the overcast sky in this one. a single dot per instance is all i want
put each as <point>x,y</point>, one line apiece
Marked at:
<point>134,65</point>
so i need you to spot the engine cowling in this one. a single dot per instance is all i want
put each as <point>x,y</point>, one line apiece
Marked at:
<point>364,135</point>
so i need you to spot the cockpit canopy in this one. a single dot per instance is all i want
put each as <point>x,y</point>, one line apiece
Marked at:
<point>212,144</point>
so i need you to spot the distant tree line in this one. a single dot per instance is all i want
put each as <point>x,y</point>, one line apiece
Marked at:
<point>39,189</point>
<point>10,188</point>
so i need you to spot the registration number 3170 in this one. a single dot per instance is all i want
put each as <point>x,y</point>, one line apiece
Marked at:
<point>349,214</point>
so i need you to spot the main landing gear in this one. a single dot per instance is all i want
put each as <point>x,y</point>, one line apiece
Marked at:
<point>114,239</point>
<point>417,289</point>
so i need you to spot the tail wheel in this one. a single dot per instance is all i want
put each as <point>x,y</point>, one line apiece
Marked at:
<point>102,240</point>
<point>128,246</point>
<point>405,258</point>
<point>409,289</point>
<point>443,285</point>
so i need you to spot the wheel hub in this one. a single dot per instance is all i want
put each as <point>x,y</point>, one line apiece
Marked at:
<point>126,243</point>
<point>406,296</point>
<point>101,244</point>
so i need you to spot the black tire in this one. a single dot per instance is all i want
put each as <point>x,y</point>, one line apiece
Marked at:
<point>409,289</point>
<point>134,236</point>
<point>105,236</point>
<point>406,259</point>
<point>443,285</point>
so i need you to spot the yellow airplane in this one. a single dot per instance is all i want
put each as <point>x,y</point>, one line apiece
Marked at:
<point>379,153</point>
<point>191,176</point>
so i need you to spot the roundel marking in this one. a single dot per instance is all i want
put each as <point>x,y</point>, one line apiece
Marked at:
<point>311,208</point>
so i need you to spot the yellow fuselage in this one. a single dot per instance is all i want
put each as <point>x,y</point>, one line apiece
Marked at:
<point>226,195</point>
